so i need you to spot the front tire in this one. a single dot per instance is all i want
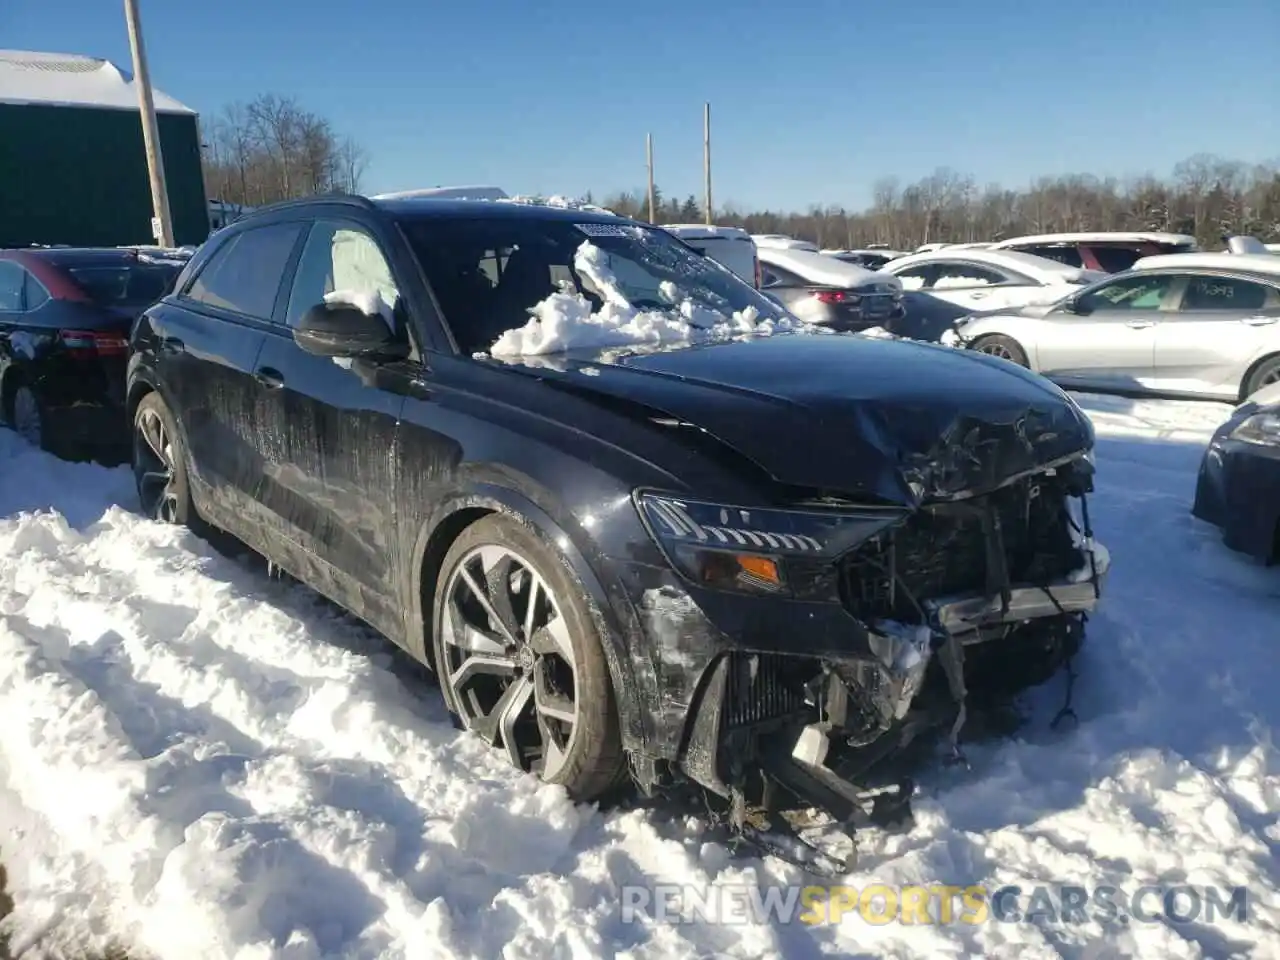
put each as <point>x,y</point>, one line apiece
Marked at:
<point>1006,348</point>
<point>1263,375</point>
<point>521,661</point>
<point>160,465</point>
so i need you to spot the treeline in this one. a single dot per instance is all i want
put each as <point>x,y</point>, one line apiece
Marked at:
<point>272,149</point>
<point>1207,197</point>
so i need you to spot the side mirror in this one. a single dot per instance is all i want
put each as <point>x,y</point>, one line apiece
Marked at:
<point>1073,305</point>
<point>344,330</point>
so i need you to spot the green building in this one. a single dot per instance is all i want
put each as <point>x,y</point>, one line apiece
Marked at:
<point>73,169</point>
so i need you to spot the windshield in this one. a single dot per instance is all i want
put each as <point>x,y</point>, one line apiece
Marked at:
<point>491,275</point>
<point>124,284</point>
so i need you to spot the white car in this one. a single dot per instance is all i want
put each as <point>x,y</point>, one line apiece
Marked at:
<point>1189,324</point>
<point>983,279</point>
<point>731,247</point>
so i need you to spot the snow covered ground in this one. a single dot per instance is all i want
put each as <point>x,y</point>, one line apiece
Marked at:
<point>200,762</point>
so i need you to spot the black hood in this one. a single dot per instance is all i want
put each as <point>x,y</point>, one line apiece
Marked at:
<point>890,420</point>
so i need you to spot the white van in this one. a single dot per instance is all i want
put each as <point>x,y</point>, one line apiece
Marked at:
<point>728,246</point>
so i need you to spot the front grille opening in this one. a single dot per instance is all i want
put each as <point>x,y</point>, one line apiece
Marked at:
<point>765,687</point>
<point>958,548</point>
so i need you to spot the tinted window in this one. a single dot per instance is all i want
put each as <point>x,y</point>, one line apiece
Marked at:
<point>1116,259</point>
<point>965,275</point>
<point>1221,293</point>
<point>11,280</point>
<point>533,258</point>
<point>245,274</point>
<point>1068,255</point>
<point>917,278</point>
<point>36,294</point>
<point>1131,293</point>
<point>777,277</point>
<point>125,284</point>
<point>340,258</point>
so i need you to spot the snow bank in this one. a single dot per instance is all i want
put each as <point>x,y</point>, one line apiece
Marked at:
<point>203,763</point>
<point>567,320</point>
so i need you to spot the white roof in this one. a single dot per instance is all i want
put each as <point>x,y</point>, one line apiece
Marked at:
<point>476,192</point>
<point>820,268</point>
<point>703,231</point>
<point>1040,269</point>
<point>69,80</point>
<point>1117,236</point>
<point>777,241</point>
<point>1241,262</point>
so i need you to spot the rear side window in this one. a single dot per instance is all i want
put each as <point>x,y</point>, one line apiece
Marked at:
<point>11,280</point>
<point>1063,254</point>
<point>918,278</point>
<point>965,275</point>
<point>1116,259</point>
<point>124,285</point>
<point>37,296</point>
<point>1221,293</point>
<point>772,276</point>
<point>244,276</point>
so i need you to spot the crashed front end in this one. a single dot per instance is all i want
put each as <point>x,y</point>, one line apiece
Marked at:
<point>961,598</point>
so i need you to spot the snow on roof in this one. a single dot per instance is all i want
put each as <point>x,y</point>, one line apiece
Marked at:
<point>475,192</point>
<point>1240,262</point>
<point>820,268</point>
<point>1042,269</point>
<point>70,80</point>
<point>702,231</point>
<point>777,241</point>
<point>1106,236</point>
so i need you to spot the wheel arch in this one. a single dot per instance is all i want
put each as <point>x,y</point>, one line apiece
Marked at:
<point>1253,368</point>
<point>459,512</point>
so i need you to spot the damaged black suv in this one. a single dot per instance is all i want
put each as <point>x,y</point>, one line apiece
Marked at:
<point>755,560</point>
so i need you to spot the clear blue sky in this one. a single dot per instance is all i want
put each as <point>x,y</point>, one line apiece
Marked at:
<point>812,100</point>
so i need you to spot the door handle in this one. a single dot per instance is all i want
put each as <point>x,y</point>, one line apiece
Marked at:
<point>269,377</point>
<point>1139,324</point>
<point>1259,321</point>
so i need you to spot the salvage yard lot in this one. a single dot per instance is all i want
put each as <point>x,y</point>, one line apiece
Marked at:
<point>202,762</point>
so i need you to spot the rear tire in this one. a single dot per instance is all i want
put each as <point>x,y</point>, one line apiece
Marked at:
<point>1006,348</point>
<point>521,663</point>
<point>160,465</point>
<point>29,418</point>
<point>1263,375</point>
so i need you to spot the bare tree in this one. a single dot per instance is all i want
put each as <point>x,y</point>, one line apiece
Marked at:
<point>1207,196</point>
<point>272,149</point>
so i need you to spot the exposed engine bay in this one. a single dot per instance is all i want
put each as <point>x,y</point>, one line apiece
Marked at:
<point>967,602</point>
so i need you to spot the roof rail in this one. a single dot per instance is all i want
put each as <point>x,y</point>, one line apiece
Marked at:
<point>344,199</point>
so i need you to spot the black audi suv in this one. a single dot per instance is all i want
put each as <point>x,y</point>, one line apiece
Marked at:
<point>740,560</point>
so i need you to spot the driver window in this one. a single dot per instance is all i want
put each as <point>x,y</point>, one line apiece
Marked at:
<point>342,262</point>
<point>1131,293</point>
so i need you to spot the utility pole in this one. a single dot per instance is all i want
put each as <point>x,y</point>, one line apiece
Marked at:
<point>648,151</point>
<point>706,156</point>
<point>162,224</point>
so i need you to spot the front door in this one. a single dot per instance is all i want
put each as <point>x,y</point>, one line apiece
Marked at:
<point>331,440</point>
<point>1108,340</point>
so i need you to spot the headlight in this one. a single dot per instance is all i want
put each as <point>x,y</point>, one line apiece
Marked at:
<point>760,551</point>
<point>1261,428</point>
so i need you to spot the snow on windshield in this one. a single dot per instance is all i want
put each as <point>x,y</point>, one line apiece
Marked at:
<point>637,306</point>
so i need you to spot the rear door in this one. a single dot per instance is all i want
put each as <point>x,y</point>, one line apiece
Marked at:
<point>971,285</point>
<point>1220,326</point>
<point>208,341</point>
<point>329,438</point>
<point>1109,342</point>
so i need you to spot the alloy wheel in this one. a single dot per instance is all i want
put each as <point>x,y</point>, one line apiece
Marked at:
<point>1271,376</point>
<point>26,417</point>
<point>509,660</point>
<point>996,350</point>
<point>153,468</point>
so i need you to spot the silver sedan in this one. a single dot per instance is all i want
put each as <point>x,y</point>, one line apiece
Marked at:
<point>1194,325</point>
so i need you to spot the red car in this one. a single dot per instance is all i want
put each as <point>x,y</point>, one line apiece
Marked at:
<point>65,316</point>
<point>1108,252</point>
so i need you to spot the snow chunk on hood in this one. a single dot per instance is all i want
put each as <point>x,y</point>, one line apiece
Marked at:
<point>567,321</point>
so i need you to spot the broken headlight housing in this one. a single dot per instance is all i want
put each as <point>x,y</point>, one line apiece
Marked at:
<point>1261,428</point>
<point>761,551</point>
